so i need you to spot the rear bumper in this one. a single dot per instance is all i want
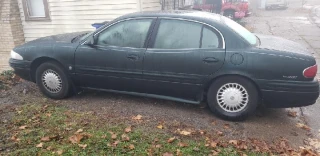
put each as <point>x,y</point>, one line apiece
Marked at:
<point>285,94</point>
<point>21,68</point>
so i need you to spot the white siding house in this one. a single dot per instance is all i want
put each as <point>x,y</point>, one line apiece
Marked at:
<point>48,17</point>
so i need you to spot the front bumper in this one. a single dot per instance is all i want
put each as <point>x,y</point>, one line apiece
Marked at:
<point>286,94</point>
<point>21,68</point>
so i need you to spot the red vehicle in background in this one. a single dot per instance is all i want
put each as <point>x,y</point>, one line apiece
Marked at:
<point>234,9</point>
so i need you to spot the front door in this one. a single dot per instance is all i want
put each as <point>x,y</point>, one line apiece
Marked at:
<point>115,60</point>
<point>180,57</point>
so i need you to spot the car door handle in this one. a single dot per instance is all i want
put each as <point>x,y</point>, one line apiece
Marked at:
<point>133,57</point>
<point>210,60</point>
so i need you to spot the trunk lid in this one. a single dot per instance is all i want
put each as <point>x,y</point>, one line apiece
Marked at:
<point>281,44</point>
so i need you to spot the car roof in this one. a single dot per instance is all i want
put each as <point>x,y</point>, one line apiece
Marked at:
<point>185,14</point>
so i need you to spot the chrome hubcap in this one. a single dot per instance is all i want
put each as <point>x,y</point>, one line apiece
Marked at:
<point>232,97</point>
<point>52,81</point>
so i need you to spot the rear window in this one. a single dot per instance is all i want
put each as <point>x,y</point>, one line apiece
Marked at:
<point>239,29</point>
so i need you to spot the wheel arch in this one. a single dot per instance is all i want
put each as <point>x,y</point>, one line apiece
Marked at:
<point>208,84</point>
<point>37,62</point>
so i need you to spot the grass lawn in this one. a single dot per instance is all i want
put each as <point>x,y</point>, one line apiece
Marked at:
<point>53,130</point>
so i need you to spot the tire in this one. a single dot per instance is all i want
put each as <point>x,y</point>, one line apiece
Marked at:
<point>57,85</point>
<point>234,85</point>
<point>229,14</point>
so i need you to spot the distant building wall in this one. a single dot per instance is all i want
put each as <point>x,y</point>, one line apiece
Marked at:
<point>11,32</point>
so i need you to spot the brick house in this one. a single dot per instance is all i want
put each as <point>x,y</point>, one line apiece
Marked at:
<point>25,20</point>
<point>11,32</point>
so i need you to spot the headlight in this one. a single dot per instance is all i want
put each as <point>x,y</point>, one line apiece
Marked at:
<point>16,56</point>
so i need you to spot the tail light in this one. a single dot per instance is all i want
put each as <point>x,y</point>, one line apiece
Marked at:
<point>310,72</point>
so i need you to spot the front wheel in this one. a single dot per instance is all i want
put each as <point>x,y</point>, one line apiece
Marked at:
<point>52,80</point>
<point>232,98</point>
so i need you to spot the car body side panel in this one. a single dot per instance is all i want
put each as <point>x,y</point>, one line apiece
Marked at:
<point>63,53</point>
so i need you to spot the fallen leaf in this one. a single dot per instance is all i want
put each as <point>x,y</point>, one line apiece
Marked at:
<point>45,139</point>
<point>226,126</point>
<point>125,137</point>
<point>185,132</point>
<point>160,126</point>
<point>75,139</point>
<point>113,136</point>
<point>116,143</point>
<point>48,114</point>
<point>59,152</point>
<point>40,145</point>
<point>167,154</point>
<point>214,123</point>
<point>220,133</point>
<point>23,127</point>
<point>196,149</point>
<point>83,146</point>
<point>138,117</point>
<point>181,144</point>
<point>131,146</point>
<point>213,144</point>
<point>178,152</point>
<point>78,131</point>
<point>49,148</point>
<point>158,146</point>
<point>303,126</point>
<point>156,140</point>
<point>214,152</point>
<point>104,136</point>
<point>292,113</point>
<point>170,140</point>
<point>14,138</point>
<point>202,132</point>
<point>233,142</point>
<point>128,129</point>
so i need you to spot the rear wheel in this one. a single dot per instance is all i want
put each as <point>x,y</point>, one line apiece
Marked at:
<point>232,98</point>
<point>52,80</point>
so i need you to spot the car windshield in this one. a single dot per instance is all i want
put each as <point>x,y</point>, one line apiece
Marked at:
<point>86,35</point>
<point>243,32</point>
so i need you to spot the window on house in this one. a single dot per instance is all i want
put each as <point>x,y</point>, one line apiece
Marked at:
<point>36,10</point>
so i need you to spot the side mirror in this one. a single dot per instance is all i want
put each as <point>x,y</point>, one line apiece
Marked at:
<point>91,41</point>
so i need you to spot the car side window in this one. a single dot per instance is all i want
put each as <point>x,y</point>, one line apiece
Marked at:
<point>210,39</point>
<point>178,34</point>
<point>131,33</point>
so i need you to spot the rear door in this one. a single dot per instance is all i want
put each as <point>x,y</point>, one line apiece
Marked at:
<point>180,56</point>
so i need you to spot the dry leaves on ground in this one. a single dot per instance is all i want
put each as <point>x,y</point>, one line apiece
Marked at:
<point>128,129</point>
<point>23,127</point>
<point>45,139</point>
<point>83,146</point>
<point>160,126</point>
<point>170,140</point>
<point>125,137</point>
<point>79,131</point>
<point>181,144</point>
<point>40,145</point>
<point>131,146</point>
<point>138,117</point>
<point>167,154</point>
<point>292,113</point>
<point>303,126</point>
<point>75,139</point>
